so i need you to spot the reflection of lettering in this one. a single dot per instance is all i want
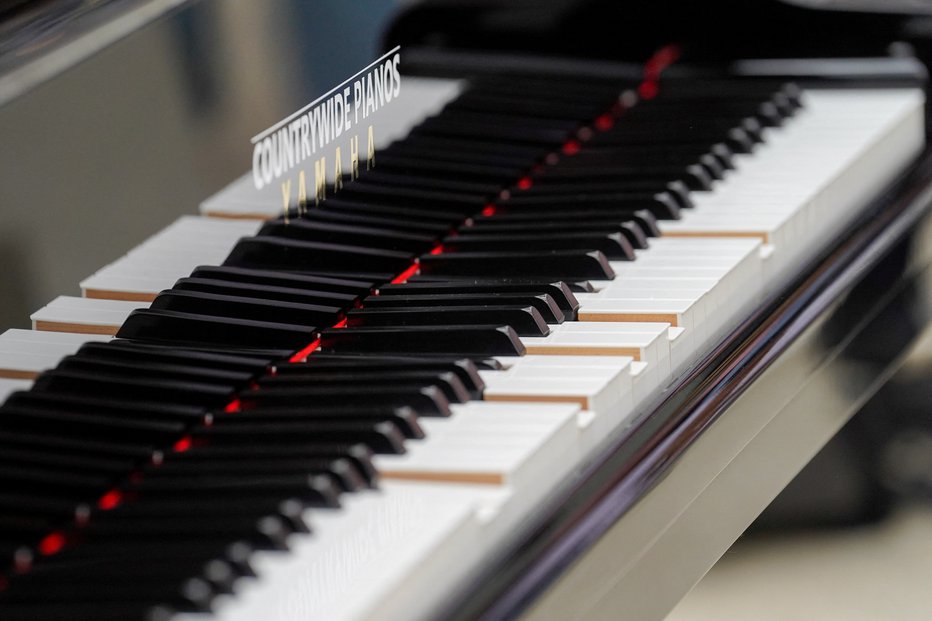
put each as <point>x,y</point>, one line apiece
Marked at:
<point>320,174</point>
<point>282,147</point>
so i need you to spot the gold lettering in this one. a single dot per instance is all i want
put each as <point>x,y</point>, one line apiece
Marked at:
<point>286,197</point>
<point>302,194</point>
<point>370,155</point>
<point>320,180</point>
<point>337,171</point>
<point>354,158</point>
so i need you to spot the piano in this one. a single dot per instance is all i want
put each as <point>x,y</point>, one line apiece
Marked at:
<point>609,278</point>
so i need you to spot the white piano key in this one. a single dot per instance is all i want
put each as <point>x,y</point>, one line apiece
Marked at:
<point>26,353</point>
<point>83,315</point>
<point>379,557</point>
<point>9,386</point>
<point>813,174</point>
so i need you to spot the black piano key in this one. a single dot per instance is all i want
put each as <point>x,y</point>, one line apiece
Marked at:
<point>379,435</point>
<point>611,192</point>
<point>51,483</point>
<point>49,440</point>
<point>526,321</point>
<point>393,178</point>
<point>388,221</point>
<point>218,573</point>
<point>469,149</point>
<point>309,230</point>
<point>464,369</point>
<point>480,101</point>
<point>64,461</point>
<point>424,399</point>
<point>357,454</point>
<point>469,341</point>
<point>82,611</point>
<point>241,307</point>
<point>530,221</point>
<point>542,138</point>
<point>128,351</point>
<point>191,594</point>
<point>152,369</point>
<point>266,532</point>
<point>25,419</point>
<point>292,254</point>
<point>442,204</point>
<point>290,510</point>
<point>74,382</point>
<point>427,166</point>
<point>632,231</point>
<point>283,279</point>
<point>736,138</point>
<point>615,246</point>
<point>402,417</point>
<point>449,382</point>
<point>342,471</point>
<point>695,176</point>
<point>549,265</point>
<point>621,205</point>
<point>543,303</point>
<point>315,490</point>
<point>192,329</point>
<point>641,156</point>
<point>558,291</point>
<point>264,292</point>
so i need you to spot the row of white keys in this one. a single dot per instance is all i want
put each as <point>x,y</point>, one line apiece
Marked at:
<point>809,179</point>
<point>165,257</point>
<point>441,506</point>
<point>26,353</point>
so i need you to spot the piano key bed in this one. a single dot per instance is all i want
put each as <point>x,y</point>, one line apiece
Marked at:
<point>388,386</point>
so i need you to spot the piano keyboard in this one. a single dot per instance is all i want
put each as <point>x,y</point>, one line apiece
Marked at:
<point>340,417</point>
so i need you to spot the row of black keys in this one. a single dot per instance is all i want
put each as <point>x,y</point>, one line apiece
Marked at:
<point>258,466</point>
<point>533,235</point>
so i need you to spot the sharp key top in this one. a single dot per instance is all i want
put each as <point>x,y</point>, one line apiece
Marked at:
<point>314,490</point>
<point>192,329</point>
<point>404,418</point>
<point>359,455</point>
<point>152,369</point>
<point>251,308</point>
<point>470,341</point>
<point>378,434</point>
<point>632,229</point>
<point>543,303</point>
<point>296,255</point>
<point>89,383</point>
<point>264,292</point>
<point>524,320</point>
<point>449,382</point>
<point>464,368</point>
<point>425,399</point>
<point>109,406</point>
<point>615,246</point>
<point>345,234</point>
<point>549,265</point>
<point>132,352</point>
<point>558,291</point>
<point>271,278</point>
<point>579,208</point>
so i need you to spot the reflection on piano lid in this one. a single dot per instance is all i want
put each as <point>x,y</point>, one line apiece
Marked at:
<point>575,329</point>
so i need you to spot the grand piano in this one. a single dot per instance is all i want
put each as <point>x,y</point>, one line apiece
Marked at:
<point>610,277</point>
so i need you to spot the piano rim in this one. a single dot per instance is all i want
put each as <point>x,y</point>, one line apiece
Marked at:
<point>633,464</point>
